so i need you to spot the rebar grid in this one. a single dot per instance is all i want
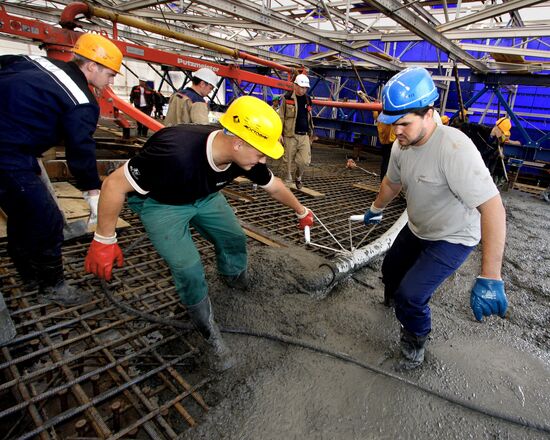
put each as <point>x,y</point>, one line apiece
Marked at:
<point>93,371</point>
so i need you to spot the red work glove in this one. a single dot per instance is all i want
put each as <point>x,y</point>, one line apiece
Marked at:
<point>102,254</point>
<point>306,219</point>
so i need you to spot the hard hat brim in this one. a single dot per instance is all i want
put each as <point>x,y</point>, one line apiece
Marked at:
<point>389,119</point>
<point>274,153</point>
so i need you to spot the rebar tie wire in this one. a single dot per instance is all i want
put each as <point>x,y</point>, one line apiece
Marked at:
<point>342,250</point>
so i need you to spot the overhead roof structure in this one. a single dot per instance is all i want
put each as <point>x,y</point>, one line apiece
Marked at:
<point>364,32</point>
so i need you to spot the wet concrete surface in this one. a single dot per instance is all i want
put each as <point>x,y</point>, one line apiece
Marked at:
<point>278,391</point>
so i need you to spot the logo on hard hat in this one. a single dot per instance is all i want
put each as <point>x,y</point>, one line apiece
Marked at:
<point>236,119</point>
<point>255,131</point>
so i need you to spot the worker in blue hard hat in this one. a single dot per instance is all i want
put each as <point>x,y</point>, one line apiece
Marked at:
<point>452,203</point>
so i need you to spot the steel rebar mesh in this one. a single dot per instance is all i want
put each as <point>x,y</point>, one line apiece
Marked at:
<point>94,371</point>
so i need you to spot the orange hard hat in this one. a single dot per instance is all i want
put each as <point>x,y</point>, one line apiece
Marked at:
<point>100,50</point>
<point>504,124</point>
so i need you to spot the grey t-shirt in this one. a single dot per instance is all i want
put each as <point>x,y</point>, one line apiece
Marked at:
<point>444,181</point>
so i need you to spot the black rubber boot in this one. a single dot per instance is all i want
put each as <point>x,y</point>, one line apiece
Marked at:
<point>412,349</point>
<point>24,268</point>
<point>220,356</point>
<point>52,284</point>
<point>240,281</point>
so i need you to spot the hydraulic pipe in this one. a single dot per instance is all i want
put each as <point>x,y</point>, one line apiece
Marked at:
<point>328,275</point>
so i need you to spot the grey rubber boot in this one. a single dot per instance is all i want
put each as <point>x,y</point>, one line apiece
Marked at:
<point>64,295</point>
<point>7,328</point>
<point>52,284</point>
<point>412,349</point>
<point>240,281</point>
<point>220,356</point>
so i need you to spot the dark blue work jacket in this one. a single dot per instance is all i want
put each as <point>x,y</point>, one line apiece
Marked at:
<point>44,102</point>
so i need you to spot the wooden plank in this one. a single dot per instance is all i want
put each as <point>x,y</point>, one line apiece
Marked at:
<point>261,238</point>
<point>366,186</point>
<point>507,58</point>
<point>241,180</point>
<point>66,190</point>
<point>58,169</point>
<point>307,191</point>
<point>236,195</point>
<point>73,205</point>
<point>531,189</point>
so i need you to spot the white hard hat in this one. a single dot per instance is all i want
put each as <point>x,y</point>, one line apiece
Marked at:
<point>207,75</point>
<point>302,80</point>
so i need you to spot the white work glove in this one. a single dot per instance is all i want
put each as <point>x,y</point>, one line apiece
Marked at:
<point>92,201</point>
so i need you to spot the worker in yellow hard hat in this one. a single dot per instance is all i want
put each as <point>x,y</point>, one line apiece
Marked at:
<point>176,180</point>
<point>45,101</point>
<point>445,120</point>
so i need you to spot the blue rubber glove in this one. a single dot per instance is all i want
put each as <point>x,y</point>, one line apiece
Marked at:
<point>373,216</point>
<point>488,298</point>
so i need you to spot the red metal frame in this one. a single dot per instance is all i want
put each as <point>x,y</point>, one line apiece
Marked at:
<point>58,43</point>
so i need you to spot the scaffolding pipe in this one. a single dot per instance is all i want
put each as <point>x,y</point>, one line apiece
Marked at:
<point>70,12</point>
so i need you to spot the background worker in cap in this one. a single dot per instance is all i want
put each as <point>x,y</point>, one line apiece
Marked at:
<point>175,181</point>
<point>452,202</point>
<point>143,98</point>
<point>42,102</point>
<point>295,112</point>
<point>189,105</point>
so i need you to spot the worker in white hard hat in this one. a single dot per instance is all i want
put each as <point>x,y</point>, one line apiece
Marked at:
<point>189,106</point>
<point>295,112</point>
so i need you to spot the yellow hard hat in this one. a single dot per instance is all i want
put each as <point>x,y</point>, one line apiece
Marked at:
<point>505,125</point>
<point>99,49</point>
<point>445,120</point>
<point>256,123</point>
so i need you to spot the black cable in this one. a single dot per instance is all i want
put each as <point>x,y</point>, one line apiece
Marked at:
<point>517,420</point>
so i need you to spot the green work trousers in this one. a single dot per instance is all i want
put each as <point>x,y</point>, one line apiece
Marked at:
<point>167,227</point>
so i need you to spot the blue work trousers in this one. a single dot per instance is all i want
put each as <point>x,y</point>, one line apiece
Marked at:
<point>411,272</point>
<point>35,224</point>
<point>168,229</point>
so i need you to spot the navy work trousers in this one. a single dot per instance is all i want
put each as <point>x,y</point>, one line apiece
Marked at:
<point>411,272</point>
<point>35,224</point>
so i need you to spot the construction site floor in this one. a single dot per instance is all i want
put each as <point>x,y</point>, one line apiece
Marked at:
<point>94,371</point>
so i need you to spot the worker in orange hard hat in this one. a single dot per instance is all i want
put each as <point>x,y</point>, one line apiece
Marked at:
<point>502,128</point>
<point>445,120</point>
<point>490,143</point>
<point>43,102</point>
<point>176,180</point>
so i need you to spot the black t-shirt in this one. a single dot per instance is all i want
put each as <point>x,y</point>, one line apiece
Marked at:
<point>301,118</point>
<point>175,166</point>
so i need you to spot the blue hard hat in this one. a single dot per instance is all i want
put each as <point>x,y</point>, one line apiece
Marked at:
<point>411,89</point>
